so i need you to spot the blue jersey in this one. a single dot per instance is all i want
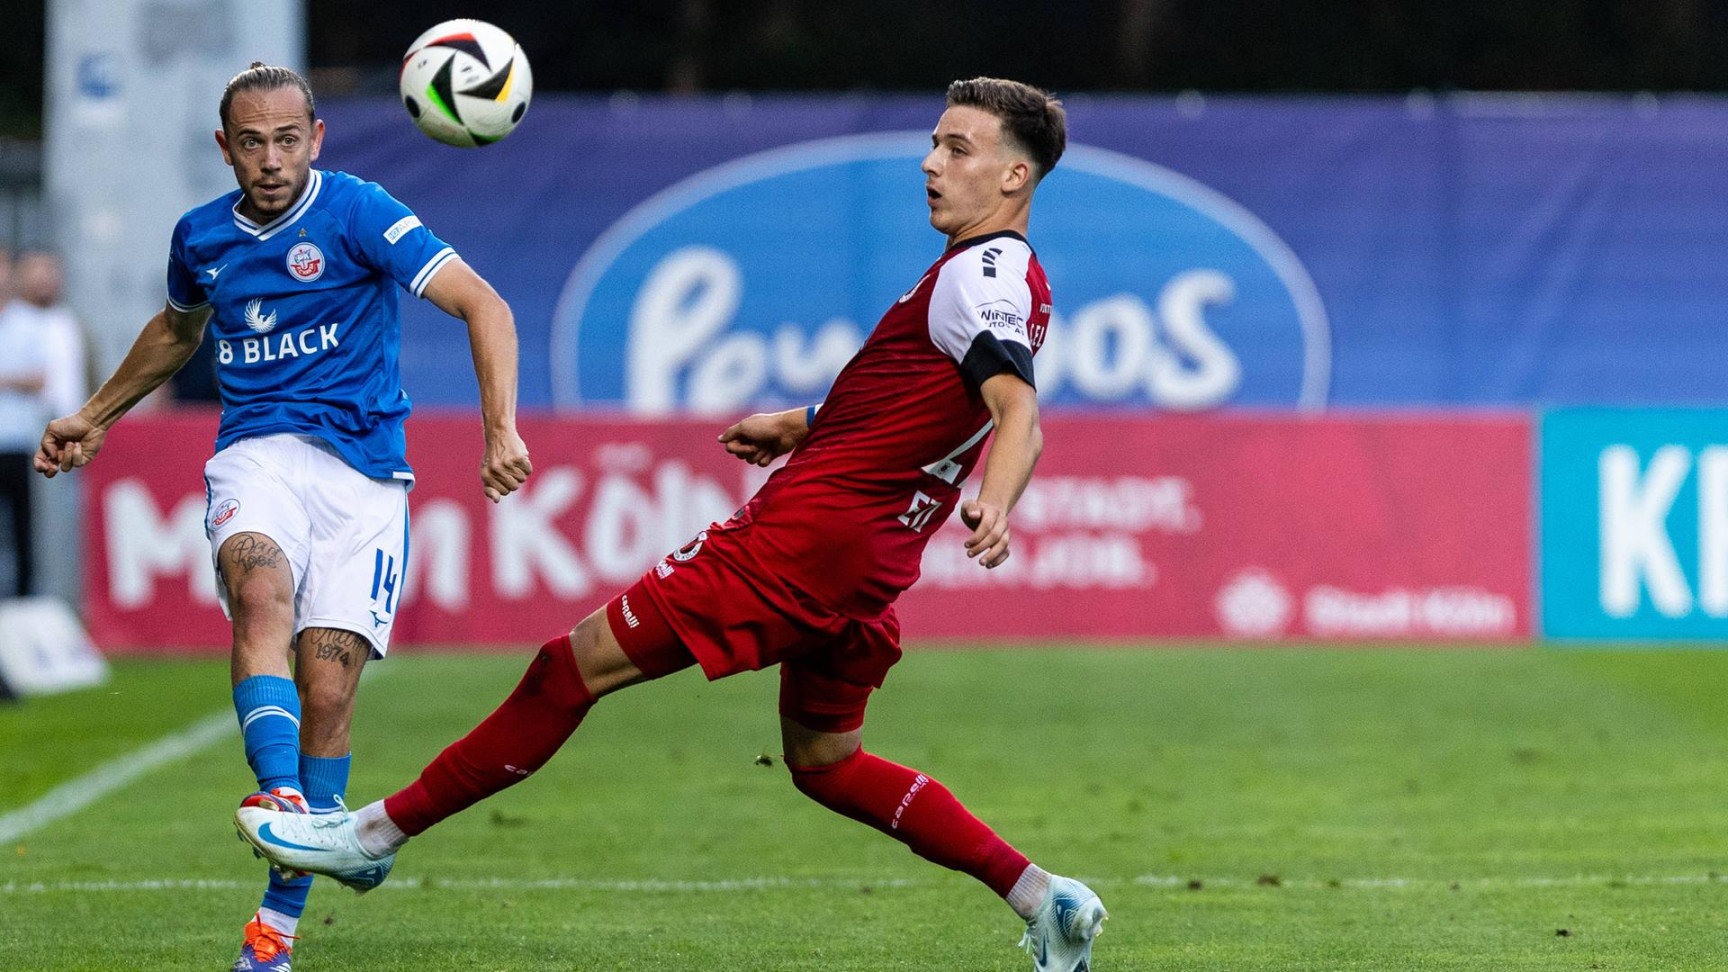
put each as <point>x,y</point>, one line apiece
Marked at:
<point>305,317</point>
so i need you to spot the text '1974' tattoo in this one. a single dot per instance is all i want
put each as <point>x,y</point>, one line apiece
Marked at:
<point>340,646</point>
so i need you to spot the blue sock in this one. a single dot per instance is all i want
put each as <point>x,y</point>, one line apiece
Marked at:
<point>326,782</point>
<point>269,711</point>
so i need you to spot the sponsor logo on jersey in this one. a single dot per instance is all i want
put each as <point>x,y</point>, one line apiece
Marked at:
<point>215,272</point>
<point>306,262</point>
<point>703,293</point>
<point>1000,315</point>
<point>289,344</point>
<point>690,550</point>
<point>257,320</point>
<point>629,615</point>
<point>224,512</point>
<point>400,228</point>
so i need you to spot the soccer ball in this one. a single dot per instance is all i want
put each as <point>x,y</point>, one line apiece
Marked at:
<point>466,83</point>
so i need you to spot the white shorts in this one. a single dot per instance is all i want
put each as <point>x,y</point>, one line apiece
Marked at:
<point>345,533</point>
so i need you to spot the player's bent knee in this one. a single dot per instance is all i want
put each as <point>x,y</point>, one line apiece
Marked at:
<point>261,596</point>
<point>600,658</point>
<point>326,698</point>
<point>809,749</point>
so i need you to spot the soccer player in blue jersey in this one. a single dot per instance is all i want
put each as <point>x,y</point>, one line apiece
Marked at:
<point>296,275</point>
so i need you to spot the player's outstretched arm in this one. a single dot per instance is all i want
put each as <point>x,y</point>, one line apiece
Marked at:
<point>162,348</point>
<point>761,438</point>
<point>460,292</point>
<point>1014,451</point>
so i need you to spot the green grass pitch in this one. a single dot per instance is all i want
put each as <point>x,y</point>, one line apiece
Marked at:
<point>1237,809</point>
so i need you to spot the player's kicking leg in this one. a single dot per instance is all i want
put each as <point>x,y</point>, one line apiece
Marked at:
<point>259,588</point>
<point>358,849</point>
<point>1062,915</point>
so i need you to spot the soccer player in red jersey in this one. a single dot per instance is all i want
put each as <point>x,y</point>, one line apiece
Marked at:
<point>806,574</point>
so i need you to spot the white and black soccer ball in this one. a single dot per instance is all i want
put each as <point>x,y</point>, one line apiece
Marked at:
<point>466,83</point>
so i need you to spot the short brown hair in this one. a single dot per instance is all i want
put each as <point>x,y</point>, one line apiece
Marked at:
<point>266,77</point>
<point>1030,117</point>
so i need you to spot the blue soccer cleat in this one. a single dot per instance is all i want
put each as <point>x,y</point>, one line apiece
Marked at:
<point>1060,933</point>
<point>313,843</point>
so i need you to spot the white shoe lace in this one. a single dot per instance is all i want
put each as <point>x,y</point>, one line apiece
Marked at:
<point>1028,941</point>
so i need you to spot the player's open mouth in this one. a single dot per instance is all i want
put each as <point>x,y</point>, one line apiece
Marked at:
<point>933,194</point>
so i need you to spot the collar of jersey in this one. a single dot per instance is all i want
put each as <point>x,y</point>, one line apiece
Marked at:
<point>285,220</point>
<point>975,240</point>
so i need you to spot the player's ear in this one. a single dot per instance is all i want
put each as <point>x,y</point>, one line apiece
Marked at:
<point>317,137</point>
<point>1018,177</point>
<point>222,143</point>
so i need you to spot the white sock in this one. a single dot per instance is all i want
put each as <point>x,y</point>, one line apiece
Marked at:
<point>1028,892</point>
<point>279,921</point>
<point>377,833</point>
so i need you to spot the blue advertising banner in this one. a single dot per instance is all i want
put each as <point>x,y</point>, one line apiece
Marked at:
<point>668,254</point>
<point>1635,523</point>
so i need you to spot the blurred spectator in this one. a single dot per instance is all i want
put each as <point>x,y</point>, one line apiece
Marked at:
<point>23,411</point>
<point>38,280</point>
<point>43,374</point>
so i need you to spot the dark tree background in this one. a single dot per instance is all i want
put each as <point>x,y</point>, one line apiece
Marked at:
<point>1160,45</point>
<point>1083,45</point>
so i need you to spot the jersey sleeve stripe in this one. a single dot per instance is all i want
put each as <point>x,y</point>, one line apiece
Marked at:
<point>184,308</point>
<point>427,272</point>
<point>989,356</point>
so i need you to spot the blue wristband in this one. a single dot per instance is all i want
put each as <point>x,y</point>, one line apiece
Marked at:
<point>810,416</point>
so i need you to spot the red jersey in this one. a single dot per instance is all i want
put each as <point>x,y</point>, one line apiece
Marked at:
<point>845,521</point>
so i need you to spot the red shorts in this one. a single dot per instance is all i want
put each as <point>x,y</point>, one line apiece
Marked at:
<point>704,603</point>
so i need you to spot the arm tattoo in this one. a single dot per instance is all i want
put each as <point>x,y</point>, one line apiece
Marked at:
<point>340,646</point>
<point>251,552</point>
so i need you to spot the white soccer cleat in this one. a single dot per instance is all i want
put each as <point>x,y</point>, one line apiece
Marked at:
<point>1060,933</point>
<point>313,843</point>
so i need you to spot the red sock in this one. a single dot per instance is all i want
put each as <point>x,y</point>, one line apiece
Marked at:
<point>915,810</point>
<point>514,741</point>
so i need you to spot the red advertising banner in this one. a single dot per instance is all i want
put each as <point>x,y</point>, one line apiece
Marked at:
<point>1213,526</point>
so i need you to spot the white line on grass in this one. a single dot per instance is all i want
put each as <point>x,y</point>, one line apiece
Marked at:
<point>76,794</point>
<point>782,883</point>
<point>485,884</point>
<point>1373,884</point>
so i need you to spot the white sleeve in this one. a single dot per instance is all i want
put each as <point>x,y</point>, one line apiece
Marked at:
<point>979,307</point>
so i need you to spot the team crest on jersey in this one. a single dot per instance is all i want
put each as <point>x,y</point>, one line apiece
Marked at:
<point>224,512</point>
<point>306,262</point>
